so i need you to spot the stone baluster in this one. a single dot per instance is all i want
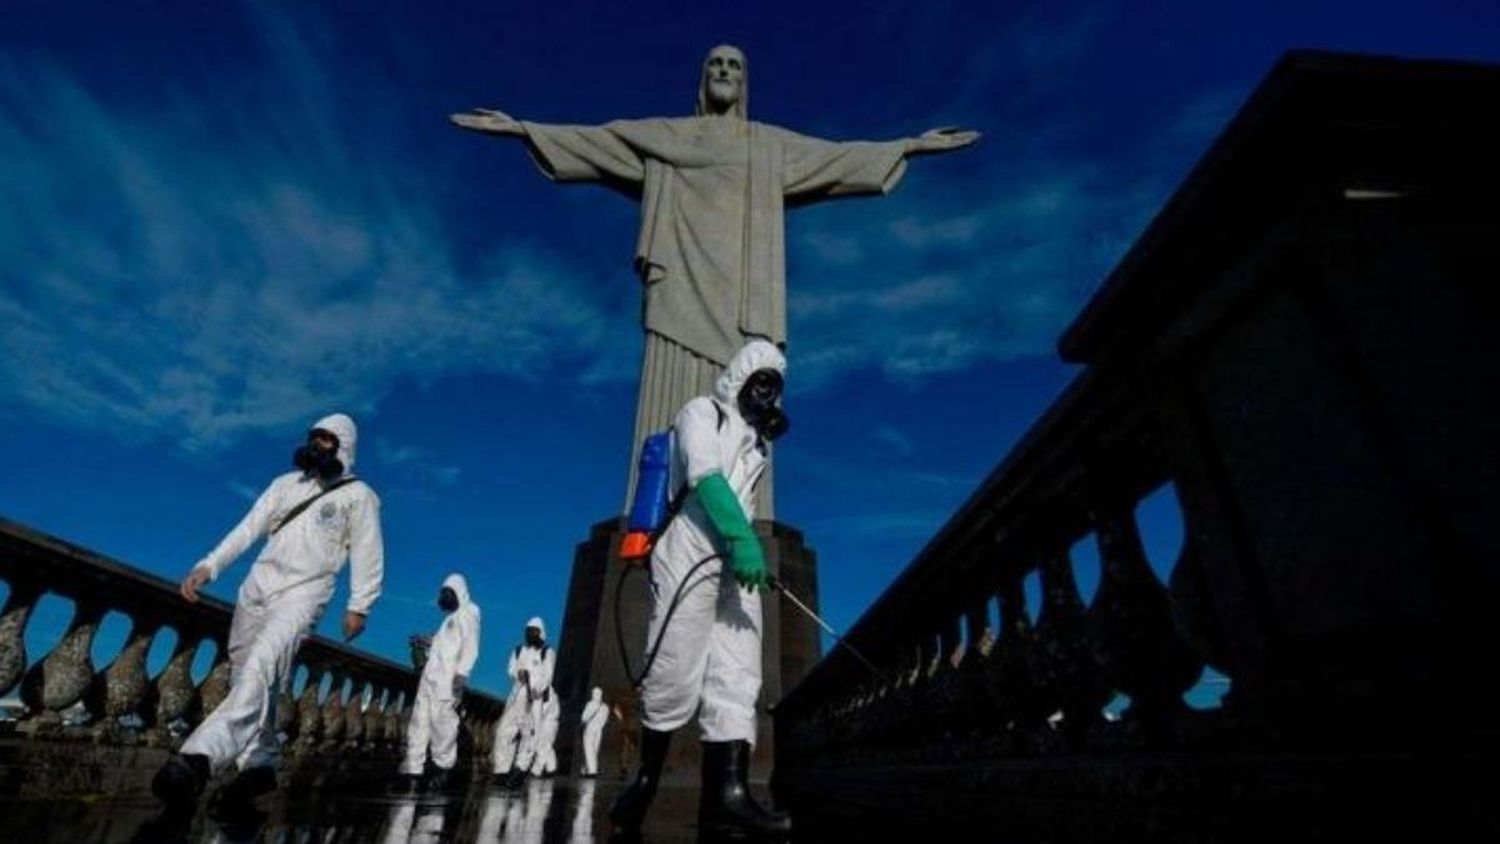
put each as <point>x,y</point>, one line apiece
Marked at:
<point>1010,688</point>
<point>309,715</point>
<point>944,695</point>
<point>172,695</point>
<point>215,687</point>
<point>63,676</point>
<point>18,606</point>
<point>374,729</point>
<point>287,720</point>
<point>404,720</point>
<point>981,635</point>
<point>934,652</point>
<point>286,708</point>
<point>120,689</point>
<point>1193,611</point>
<point>1066,669</point>
<point>484,737</point>
<point>354,713</point>
<point>970,708</point>
<point>1138,643</point>
<point>333,707</point>
<point>899,706</point>
<point>393,721</point>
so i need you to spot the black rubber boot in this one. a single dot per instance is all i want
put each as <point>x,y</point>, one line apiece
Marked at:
<point>726,809</point>
<point>630,807</point>
<point>248,785</point>
<point>444,781</point>
<point>405,785</point>
<point>515,779</point>
<point>178,783</point>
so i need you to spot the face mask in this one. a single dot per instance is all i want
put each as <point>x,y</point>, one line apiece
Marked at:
<point>315,459</point>
<point>757,402</point>
<point>533,637</point>
<point>447,600</point>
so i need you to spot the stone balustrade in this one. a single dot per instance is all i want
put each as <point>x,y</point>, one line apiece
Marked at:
<point>363,708</point>
<point>1295,347</point>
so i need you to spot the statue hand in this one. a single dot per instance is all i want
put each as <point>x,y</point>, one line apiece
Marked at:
<point>942,140</point>
<point>488,120</point>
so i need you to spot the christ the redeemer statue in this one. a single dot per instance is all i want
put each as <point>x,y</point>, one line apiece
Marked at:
<point>711,251</point>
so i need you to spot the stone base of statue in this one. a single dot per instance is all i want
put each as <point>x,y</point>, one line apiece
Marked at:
<point>588,651</point>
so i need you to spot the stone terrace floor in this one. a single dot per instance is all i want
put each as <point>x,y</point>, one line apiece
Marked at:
<point>556,810</point>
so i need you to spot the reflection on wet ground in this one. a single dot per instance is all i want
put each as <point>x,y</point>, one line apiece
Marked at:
<point>543,811</point>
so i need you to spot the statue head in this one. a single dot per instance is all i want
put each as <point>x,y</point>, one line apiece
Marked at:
<point>724,86</point>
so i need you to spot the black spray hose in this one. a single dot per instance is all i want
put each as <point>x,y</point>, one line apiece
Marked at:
<point>635,682</point>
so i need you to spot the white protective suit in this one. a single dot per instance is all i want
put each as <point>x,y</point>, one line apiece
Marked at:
<point>545,746</point>
<point>595,715</point>
<point>285,594</point>
<point>709,660</point>
<point>518,722</point>
<point>434,715</point>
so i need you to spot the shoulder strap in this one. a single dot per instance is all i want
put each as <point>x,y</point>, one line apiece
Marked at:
<point>297,511</point>
<point>722,418</point>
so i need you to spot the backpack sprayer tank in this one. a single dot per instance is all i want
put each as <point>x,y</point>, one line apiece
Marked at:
<point>651,506</point>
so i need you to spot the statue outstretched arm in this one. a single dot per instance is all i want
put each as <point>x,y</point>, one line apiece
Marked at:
<point>488,121</point>
<point>944,139</point>
<point>609,153</point>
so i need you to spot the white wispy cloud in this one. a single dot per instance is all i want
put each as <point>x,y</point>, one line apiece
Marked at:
<point>414,468</point>
<point>892,438</point>
<point>942,277</point>
<point>231,259</point>
<point>243,490</point>
<point>985,254</point>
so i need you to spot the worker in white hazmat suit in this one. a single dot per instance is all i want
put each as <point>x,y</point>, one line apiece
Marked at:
<point>545,762</point>
<point>709,658</point>
<point>595,716</point>
<point>313,519</point>
<point>530,670</point>
<point>434,714</point>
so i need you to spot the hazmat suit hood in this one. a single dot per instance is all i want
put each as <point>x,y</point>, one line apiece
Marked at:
<point>460,588</point>
<point>754,355</point>
<point>341,426</point>
<point>537,623</point>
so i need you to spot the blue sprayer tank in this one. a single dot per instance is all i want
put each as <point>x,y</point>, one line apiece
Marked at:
<point>650,507</point>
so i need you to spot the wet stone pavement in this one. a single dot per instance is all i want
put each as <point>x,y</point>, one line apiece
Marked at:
<point>555,810</point>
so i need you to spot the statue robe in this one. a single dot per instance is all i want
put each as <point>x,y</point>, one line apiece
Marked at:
<point>711,251</point>
<point>712,244</point>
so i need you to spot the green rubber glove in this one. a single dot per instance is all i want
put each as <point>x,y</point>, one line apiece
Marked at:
<point>746,559</point>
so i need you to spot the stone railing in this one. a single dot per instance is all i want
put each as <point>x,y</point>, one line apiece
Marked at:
<point>1295,346</point>
<point>364,707</point>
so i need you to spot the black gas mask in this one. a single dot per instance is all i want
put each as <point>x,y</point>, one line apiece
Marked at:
<point>447,600</point>
<point>533,637</point>
<point>758,404</point>
<point>320,455</point>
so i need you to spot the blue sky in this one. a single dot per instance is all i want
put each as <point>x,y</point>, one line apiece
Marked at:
<point>220,221</point>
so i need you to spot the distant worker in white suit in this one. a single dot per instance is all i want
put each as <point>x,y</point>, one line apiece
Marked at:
<point>595,716</point>
<point>530,671</point>
<point>450,661</point>
<point>545,763</point>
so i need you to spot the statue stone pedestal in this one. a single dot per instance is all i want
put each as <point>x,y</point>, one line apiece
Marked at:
<point>588,651</point>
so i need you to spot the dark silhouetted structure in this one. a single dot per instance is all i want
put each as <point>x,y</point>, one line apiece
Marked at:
<point>1298,345</point>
